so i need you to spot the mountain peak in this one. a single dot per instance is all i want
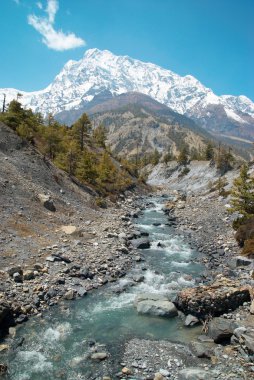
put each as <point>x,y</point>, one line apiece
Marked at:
<point>100,70</point>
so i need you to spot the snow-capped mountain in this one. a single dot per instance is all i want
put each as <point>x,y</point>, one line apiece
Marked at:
<point>80,81</point>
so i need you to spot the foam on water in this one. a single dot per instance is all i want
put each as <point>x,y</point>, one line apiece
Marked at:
<point>60,332</point>
<point>34,361</point>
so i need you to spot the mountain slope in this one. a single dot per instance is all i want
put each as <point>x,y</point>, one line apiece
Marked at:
<point>99,71</point>
<point>137,124</point>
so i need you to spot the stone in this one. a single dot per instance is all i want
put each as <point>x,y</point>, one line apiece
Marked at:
<point>39,267</point>
<point>69,295</point>
<point>221,329</point>
<point>158,376</point>
<point>203,350</point>
<point>99,356</point>
<point>16,269</point>
<point>47,202</point>
<point>82,292</point>
<point>85,273</point>
<point>243,261</point>
<point>4,347</point>
<point>126,371</point>
<point>191,320</point>
<point>248,338</point>
<point>28,275</point>
<point>17,277</point>
<point>192,373</point>
<point>3,368</point>
<point>156,305</point>
<point>21,318</point>
<point>69,230</point>
<point>141,243</point>
<point>252,307</point>
<point>164,372</point>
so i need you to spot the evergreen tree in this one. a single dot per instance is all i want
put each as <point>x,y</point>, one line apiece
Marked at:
<point>99,136</point>
<point>182,158</point>
<point>209,152</point>
<point>81,130</point>
<point>242,193</point>
<point>86,169</point>
<point>155,157</point>
<point>224,160</point>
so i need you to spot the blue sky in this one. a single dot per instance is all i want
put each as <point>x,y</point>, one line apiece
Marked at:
<point>212,40</point>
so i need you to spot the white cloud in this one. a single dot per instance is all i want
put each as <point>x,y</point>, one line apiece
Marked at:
<point>16,1</point>
<point>53,39</point>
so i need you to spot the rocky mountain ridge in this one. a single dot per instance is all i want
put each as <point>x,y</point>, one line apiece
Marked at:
<point>99,71</point>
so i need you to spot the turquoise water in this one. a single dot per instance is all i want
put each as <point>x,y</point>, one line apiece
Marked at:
<point>58,345</point>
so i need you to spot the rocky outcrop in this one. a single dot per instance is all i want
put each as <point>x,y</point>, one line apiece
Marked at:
<point>213,300</point>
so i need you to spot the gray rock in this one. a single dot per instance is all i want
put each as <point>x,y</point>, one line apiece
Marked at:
<point>16,269</point>
<point>149,296</point>
<point>203,350</point>
<point>39,267</point>
<point>221,329</point>
<point>141,243</point>
<point>248,338</point>
<point>82,292</point>
<point>28,275</point>
<point>69,295</point>
<point>156,305</point>
<point>99,356</point>
<point>192,373</point>
<point>157,308</point>
<point>85,273</point>
<point>17,277</point>
<point>47,202</point>
<point>190,320</point>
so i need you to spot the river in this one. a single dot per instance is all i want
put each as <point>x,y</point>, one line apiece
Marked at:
<point>58,345</point>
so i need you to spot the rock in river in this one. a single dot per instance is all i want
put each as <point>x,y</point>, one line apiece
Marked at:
<point>141,243</point>
<point>156,305</point>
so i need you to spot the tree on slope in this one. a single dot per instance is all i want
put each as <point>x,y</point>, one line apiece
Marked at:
<point>242,193</point>
<point>81,130</point>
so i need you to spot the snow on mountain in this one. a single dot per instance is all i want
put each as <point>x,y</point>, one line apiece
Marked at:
<point>79,81</point>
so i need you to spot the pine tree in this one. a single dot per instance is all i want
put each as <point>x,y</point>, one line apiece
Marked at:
<point>242,193</point>
<point>86,169</point>
<point>224,160</point>
<point>99,136</point>
<point>81,130</point>
<point>182,158</point>
<point>209,152</point>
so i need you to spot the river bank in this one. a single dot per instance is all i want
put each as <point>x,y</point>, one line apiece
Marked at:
<point>74,254</point>
<point>135,346</point>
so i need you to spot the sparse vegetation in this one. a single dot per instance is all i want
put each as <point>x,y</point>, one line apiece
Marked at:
<point>77,150</point>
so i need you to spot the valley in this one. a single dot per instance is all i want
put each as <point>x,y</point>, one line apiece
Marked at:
<point>127,238</point>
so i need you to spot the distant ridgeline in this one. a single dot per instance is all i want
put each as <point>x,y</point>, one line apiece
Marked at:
<point>78,150</point>
<point>82,152</point>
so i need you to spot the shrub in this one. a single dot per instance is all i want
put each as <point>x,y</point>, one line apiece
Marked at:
<point>248,249</point>
<point>245,231</point>
<point>100,202</point>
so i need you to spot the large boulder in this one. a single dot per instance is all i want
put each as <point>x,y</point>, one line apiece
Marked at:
<point>216,299</point>
<point>221,329</point>
<point>156,305</point>
<point>141,243</point>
